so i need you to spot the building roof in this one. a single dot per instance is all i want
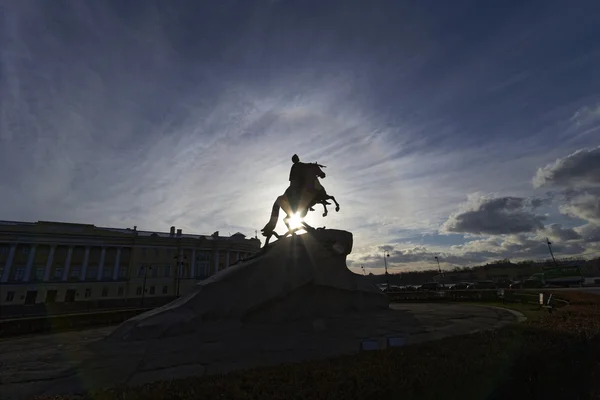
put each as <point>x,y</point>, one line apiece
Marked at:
<point>130,231</point>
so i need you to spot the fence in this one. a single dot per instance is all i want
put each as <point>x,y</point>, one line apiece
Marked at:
<point>484,295</point>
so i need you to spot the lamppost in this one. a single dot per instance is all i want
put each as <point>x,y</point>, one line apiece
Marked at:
<point>439,268</point>
<point>363,269</point>
<point>438,262</point>
<point>146,268</point>
<point>387,277</point>
<point>550,248</point>
<point>179,262</point>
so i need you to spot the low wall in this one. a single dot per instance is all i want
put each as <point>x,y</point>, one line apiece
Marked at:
<point>49,309</point>
<point>60,323</point>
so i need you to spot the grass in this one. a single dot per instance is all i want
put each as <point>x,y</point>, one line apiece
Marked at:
<point>549,356</point>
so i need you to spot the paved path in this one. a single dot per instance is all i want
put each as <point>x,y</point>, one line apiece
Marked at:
<point>73,362</point>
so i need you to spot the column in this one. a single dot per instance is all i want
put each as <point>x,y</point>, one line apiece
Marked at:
<point>117,261</point>
<point>100,275</point>
<point>180,264</point>
<point>227,259</point>
<point>86,258</point>
<point>30,260</point>
<point>216,256</point>
<point>49,263</point>
<point>67,264</point>
<point>194,274</point>
<point>8,263</point>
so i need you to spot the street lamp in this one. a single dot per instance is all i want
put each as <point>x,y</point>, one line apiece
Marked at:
<point>363,269</point>
<point>387,277</point>
<point>548,242</point>
<point>178,266</point>
<point>146,268</point>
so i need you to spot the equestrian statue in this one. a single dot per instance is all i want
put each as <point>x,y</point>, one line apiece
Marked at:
<point>304,192</point>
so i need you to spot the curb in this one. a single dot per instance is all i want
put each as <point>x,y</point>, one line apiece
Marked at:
<point>518,315</point>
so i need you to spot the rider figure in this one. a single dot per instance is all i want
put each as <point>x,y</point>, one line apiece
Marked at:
<point>298,181</point>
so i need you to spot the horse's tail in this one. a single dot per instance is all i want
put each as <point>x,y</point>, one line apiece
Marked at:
<point>270,226</point>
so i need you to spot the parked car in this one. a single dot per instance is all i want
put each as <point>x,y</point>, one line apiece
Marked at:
<point>483,285</point>
<point>461,286</point>
<point>532,283</point>
<point>503,284</point>
<point>432,286</point>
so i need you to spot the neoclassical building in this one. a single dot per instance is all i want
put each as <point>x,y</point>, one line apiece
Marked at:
<point>53,262</point>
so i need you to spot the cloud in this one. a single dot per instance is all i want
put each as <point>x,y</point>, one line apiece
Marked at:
<point>494,216</point>
<point>579,169</point>
<point>557,232</point>
<point>587,115</point>
<point>583,205</point>
<point>590,233</point>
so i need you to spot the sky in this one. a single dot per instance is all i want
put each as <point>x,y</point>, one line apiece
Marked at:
<point>465,130</point>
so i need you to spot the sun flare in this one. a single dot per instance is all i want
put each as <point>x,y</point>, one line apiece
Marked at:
<point>295,221</point>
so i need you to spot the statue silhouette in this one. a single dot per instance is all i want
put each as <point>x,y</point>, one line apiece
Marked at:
<point>303,193</point>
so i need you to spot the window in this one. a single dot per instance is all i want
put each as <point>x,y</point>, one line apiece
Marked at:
<point>39,273</point>
<point>143,252</point>
<point>138,291</point>
<point>4,249</point>
<point>106,273</point>
<point>122,272</point>
<point>25,250</point>
<point>75,273</point>
<point>120,291</point>
<point>156,252</point>
<point>167,271</point>
<point>104,291</point>
<point>165,289</point>
<point>88,292</point>
<point>58,272</point>
<point>154,271</point>
<point>92,273</point>
<point>152,290</point>
<point>141,270</point>
<point>202,269</point>
<point>19,273</point>
<point>10,296</point>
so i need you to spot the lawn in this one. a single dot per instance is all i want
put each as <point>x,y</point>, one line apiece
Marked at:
<point>554,356</point>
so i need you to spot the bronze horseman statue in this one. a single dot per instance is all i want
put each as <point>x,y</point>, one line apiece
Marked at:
<point>304,192</point>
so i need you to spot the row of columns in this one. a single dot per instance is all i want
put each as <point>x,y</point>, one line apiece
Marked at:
<point>66,268</point>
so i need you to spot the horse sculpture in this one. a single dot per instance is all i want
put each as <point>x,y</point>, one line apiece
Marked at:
<point>300,201</point>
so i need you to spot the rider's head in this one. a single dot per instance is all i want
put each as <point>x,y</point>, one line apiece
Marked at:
<point>295,158</point>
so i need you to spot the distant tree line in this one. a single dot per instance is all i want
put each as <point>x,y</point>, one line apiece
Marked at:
<point>524,269</point>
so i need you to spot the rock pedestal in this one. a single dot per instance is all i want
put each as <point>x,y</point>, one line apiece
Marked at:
<point>299,277</point>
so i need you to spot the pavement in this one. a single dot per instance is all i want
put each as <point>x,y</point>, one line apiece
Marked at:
<point>75,362</point>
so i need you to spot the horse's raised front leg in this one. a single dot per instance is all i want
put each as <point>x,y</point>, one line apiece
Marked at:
<point>324,208</point>
<point>337,205</point>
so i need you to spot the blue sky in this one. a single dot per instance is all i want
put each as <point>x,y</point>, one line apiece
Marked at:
<point>461,129</point>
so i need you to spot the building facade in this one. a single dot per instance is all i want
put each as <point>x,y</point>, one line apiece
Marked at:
<point>52,262</point>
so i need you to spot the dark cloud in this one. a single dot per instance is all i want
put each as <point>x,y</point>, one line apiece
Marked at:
<point>557,232</point>
<point>495,216</point>
<point>577,170</point>
<point>590,233</point>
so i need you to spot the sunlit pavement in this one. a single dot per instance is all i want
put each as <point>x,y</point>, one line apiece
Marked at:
<point>73,362</point>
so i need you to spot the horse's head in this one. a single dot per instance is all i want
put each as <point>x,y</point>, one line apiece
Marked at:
<point>315,170</point>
